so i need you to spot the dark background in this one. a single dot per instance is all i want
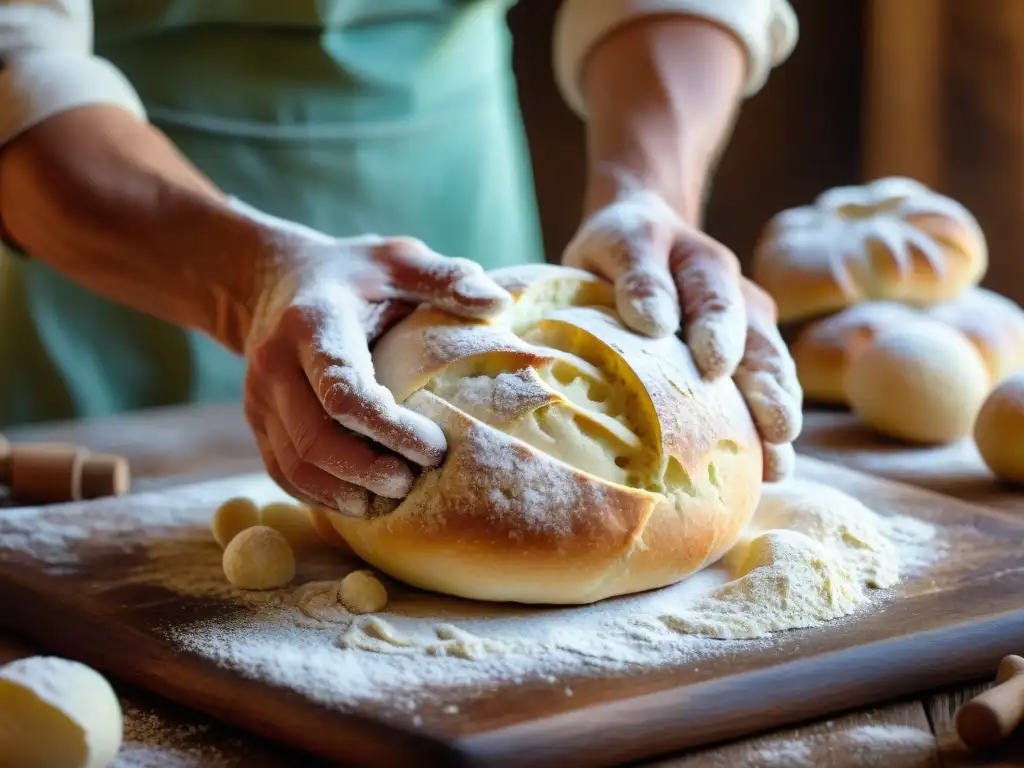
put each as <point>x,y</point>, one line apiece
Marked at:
<point>926,88</point>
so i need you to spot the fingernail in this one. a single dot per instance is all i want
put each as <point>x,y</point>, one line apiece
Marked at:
<point>390,477</point>
<point>353,502</point>
<point>648,308</point>
<point>716,345</point>
<point>481,295</point>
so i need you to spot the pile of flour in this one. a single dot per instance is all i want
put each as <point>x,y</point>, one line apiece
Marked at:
<point>812,555</point>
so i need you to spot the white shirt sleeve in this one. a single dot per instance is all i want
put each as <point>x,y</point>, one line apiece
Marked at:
<point>47,65</point>
<point>767,29</point>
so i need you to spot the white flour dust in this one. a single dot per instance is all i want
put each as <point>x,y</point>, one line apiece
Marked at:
<point>797,567</point>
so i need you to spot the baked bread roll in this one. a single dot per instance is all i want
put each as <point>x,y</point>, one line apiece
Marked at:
<point>892,239</point>
<point>583,461</point>
<point>824,349</point>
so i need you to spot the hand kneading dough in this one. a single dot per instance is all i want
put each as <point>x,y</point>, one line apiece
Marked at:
<point>892,239</point>
<point>362,592</point>
<point>583,461</point>
<point>232,517</point>
<point>259,558</point>
<point>922,383</point>
<point>57,713</point>
<point>999,430</point>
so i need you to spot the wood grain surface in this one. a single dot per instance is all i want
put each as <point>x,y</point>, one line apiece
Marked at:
<point>952,626</point>
<point>956,470</point>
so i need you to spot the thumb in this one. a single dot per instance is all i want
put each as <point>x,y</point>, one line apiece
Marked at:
<point>629,246</point>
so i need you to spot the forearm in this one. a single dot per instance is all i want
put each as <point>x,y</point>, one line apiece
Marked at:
<point>106,200</point>
<point>661,96</point>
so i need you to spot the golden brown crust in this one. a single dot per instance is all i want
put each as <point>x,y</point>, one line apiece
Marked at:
<point>628,472</point>
<point>893,239</point>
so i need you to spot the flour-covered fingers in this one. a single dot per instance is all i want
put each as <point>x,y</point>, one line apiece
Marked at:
<point>779,462</point>
<point>707,277</point>
<point>308,482</point>
<point>319,440</point>
<point>460,286</point>
<point>339,368</point>
<point>767,379</point>
<point>628,243</point>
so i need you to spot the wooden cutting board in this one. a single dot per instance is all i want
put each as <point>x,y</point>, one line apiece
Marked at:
<point>77,591</point>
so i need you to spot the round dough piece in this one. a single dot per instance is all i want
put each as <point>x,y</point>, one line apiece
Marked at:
<point>922,383</point>
<point>891,239</point>
<point>232,517</point>
<point>57,713</point>
<point>259,558</point>
<point>999,430</point>
<point>292,521</point>
<point>825,348</point>
<point>584,461</point>
<point>362,592</point>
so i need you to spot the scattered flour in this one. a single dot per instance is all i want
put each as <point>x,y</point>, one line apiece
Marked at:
<point>153,741</point>
<point>802,563</point>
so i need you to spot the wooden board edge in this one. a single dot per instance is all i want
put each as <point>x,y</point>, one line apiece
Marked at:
<point>727,708</point>
<point>184,678</point>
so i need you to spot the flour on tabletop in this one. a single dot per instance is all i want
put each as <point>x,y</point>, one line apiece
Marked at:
<point>152,741</point>
<point>423,646</point>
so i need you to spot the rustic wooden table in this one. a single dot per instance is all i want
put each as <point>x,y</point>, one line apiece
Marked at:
<point>191,442</point>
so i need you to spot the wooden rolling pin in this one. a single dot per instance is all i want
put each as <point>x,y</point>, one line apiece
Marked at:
<point>51,473</point>
<point>992,716</point>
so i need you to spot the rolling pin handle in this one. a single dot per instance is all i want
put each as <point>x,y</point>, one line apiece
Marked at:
<point>992,716</point>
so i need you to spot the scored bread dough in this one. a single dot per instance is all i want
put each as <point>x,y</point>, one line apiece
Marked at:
<point>891,239</point>
<point>825,348</point>
<point>259,558</point>
<point>362,592</point>
<point>293,521</point>
<point>57,713</point>
<point>999,430</point>
<point>232,517</point>
<point>584,461</point>
<point>922,383</point>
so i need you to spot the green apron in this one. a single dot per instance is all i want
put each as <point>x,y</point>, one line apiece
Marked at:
<point>396,117</point>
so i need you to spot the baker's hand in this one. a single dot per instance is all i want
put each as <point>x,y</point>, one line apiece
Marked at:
<point>327,431</point>
<point>667,275</point>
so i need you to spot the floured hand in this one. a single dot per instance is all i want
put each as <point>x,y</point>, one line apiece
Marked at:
<point>667,275</point>
<point>327,431</point>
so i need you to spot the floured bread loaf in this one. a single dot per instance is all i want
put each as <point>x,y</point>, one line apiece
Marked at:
<point>583,460</point>
<point>891,239</point>
<point>825,349</point>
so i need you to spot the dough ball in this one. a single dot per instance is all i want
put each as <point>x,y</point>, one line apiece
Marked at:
<point>362,592</point>
<point>259,558</point>
<point>292,521</point>
<point>999,429</point>
<point>922,383</point>
<point>57,713</point>
<point>232,517</point>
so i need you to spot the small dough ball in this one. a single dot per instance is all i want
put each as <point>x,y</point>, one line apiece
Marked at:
<point>292,521</point>
<point>999,430</point>
<point>232,517</point>
<point>362,592</point>
<point>57,713</point>
<point>922,383</point>
<point>259,558</point>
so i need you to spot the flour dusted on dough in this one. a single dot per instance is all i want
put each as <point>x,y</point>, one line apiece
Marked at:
<point>809,555</point>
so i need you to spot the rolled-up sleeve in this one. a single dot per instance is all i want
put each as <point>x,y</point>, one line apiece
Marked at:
<point>767,29</point>
<point>47,65</point>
